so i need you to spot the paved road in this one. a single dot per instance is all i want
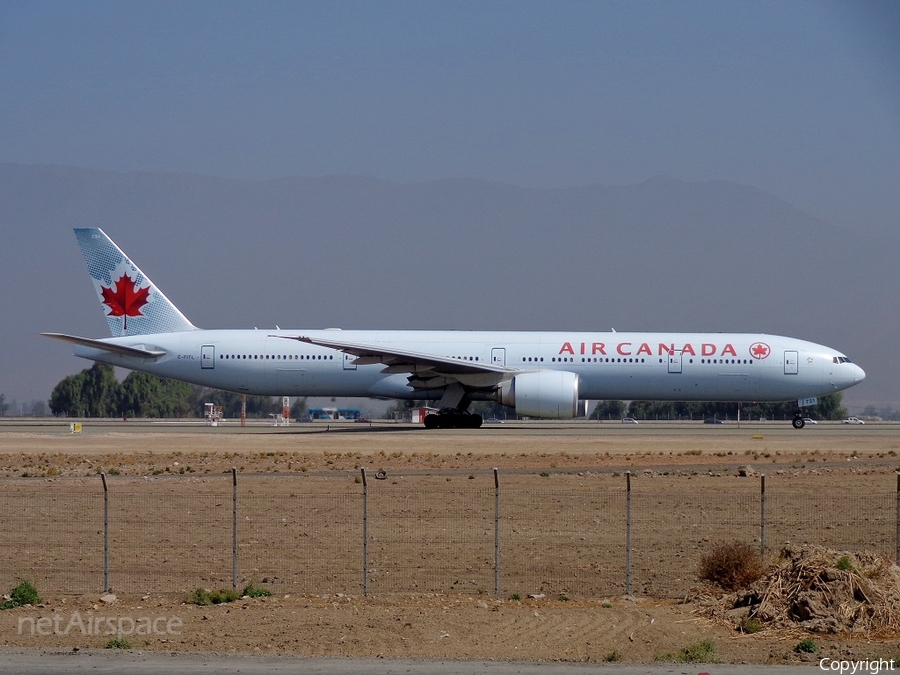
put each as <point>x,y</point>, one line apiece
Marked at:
<point>136,663</point>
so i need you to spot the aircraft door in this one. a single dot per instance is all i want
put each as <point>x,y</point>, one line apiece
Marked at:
<point>790,362</point>
<point>675,362</point>
<point>208,356</point>
<point>498,356</point>
<point>349,361</point>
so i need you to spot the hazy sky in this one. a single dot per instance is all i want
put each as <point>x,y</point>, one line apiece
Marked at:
<point>801,99</point>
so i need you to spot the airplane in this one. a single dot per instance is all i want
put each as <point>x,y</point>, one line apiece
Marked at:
<point>539,374</point>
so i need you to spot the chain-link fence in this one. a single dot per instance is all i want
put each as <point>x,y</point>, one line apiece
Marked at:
<point>332,534</point>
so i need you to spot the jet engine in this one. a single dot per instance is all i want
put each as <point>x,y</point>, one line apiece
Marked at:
<point>550,394</point>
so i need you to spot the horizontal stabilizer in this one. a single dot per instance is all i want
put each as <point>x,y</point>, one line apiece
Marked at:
<point>141,352</point>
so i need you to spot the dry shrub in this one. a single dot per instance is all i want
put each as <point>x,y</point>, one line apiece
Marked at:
<point>732,566</point>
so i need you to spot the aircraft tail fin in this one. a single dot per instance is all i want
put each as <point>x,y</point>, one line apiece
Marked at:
<point>132,304</point>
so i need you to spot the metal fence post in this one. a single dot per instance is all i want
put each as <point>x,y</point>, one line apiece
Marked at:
<point>365,546</point>
<point>898,517</point>
<point>762,515</point>
<point>234,532</point>
<point>105,534</point>
<point>496,531</point>
<point>627,533</point>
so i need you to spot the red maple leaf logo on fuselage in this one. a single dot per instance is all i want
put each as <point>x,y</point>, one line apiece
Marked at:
<point>759,350</point>
<point>126,300</point>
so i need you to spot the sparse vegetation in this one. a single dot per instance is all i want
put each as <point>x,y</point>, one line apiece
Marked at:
<point>696,652</point>
<point>203,597</point>
<point>732,566</point>
<point>253,591</point>
<point>845,563</point>
<point>750,625</point>
<point>23,594</point>
<point>119,642</point>
<point>613,656</point>
<point>806,646</point>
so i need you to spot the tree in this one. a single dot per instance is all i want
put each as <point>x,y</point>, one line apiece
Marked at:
<point>4,406</point>
<point>608,410</point>
<point>143,395</point>
<point>94,392</point>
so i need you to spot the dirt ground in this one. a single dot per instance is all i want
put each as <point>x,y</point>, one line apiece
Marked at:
<point>472,624</point>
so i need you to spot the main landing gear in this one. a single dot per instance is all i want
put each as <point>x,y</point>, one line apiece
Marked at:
<point>452,419</point>
<point>799,422</point>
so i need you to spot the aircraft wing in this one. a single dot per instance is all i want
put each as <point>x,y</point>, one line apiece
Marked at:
<point>141,352</point>
<point>404,361</point>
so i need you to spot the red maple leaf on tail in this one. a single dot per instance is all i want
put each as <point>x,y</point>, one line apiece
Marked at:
<point>126,300</point>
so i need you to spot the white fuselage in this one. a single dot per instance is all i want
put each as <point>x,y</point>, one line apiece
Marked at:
<point>626,366</point>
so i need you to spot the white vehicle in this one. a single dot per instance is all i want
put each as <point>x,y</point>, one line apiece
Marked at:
<point>852,420</point>
<point>629,420</point>
<point>539,374</point>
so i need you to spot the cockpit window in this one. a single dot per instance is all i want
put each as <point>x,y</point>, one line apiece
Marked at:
<point>840,359</point>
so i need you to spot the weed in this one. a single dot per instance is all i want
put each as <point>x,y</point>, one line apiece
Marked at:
<point>563,597</point>
<point>544,474</point>
<point>696,652</point>
<point>606,605</point>
<point>516,597</point>
<point>23,594</point>
<point>845,564</point>
<point>732,566</point>
<point>204,597</point>
<point>613,656</point>
<point>254,591</point>
<point>750,625</point>
<point>806,646</point>
<point>118,642</point>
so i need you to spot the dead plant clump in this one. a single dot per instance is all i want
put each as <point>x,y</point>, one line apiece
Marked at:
<point>815,589</point>
<point>732,566</point>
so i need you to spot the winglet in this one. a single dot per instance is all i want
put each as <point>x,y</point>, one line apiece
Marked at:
<point>133,305</point>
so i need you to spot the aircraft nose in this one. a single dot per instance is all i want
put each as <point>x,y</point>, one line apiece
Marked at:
<point>850,376</point>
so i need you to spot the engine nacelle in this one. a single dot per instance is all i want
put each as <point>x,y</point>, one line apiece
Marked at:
<point>550,394</point>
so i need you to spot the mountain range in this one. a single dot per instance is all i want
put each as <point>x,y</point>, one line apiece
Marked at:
<point>358,252</point>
